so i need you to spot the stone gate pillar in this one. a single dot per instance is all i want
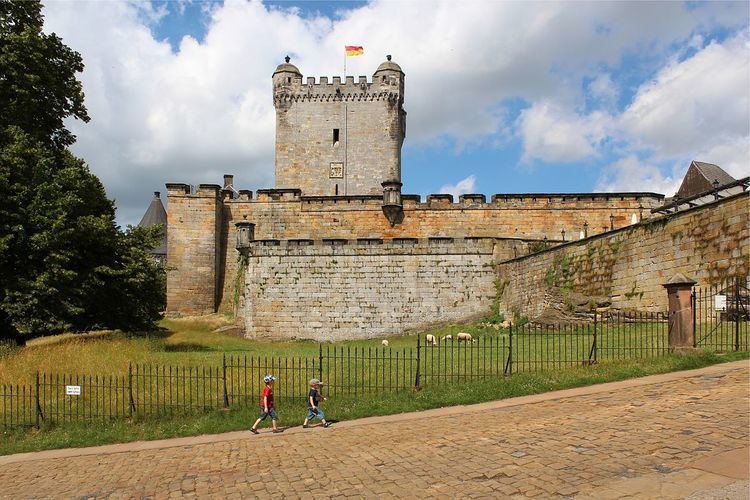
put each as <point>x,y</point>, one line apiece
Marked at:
<point>681,328</point>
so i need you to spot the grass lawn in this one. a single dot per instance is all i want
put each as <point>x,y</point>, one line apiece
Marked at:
<point>345,408</point>
<point>185,342</point>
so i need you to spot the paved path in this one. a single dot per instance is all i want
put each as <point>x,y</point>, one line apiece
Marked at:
<point>666,436</point>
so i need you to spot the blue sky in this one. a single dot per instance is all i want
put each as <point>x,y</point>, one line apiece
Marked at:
<point>501,96</point>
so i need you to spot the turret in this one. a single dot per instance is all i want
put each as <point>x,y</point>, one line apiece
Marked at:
<point>285,76</point>
<point>389,75</point>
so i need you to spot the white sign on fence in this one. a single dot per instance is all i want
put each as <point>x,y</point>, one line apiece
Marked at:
<point>720,302</point>
<point>72,390</point>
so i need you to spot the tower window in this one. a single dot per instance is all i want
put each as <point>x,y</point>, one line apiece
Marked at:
<point>288,79</point>
<point>335,136</point>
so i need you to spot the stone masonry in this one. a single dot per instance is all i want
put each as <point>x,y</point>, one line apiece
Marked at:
<point>706,243</point>
<point>338,138</point>
<point>337,142</point>
<point>336,291</point>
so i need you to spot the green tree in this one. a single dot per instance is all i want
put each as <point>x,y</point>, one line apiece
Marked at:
<point>38,84</point>
<point>64,263</point>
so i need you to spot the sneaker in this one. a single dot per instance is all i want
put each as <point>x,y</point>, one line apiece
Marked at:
<point>304,426</point>
<point>254,431</point>
<point>277,431</point>
<point>327,424</point>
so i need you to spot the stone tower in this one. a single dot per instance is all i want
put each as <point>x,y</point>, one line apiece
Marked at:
<point>338,138</point>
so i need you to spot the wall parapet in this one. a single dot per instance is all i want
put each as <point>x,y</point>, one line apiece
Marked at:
<point>372,246</point>
<point>646,223</point>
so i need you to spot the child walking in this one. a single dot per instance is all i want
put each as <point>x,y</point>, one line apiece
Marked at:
<point>313,410</point>
<point>267,406</point>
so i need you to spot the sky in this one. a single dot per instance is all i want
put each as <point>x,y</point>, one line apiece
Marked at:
<point>502,97</point>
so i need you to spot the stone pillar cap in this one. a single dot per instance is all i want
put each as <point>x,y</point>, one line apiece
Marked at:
<point>678,281</point>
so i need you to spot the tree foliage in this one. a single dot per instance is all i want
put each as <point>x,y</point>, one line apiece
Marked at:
<point>64,263</point>
<point>38,84</point>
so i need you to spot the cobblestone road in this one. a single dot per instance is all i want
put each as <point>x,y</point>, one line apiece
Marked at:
<point>628,440</point>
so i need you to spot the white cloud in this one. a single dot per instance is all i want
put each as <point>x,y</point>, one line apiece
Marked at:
<point>192,115</point>
<point>694,109</point>
<point>632,174</point>
<point>553,134</point>
<point>464,186</point>
<point>695,104</point>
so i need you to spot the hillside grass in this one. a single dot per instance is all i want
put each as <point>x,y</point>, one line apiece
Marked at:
<point>190,341</point>
<point>348,408</point>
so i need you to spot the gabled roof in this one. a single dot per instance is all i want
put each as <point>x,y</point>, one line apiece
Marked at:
<point>700,177</point>
<point>156,214</point>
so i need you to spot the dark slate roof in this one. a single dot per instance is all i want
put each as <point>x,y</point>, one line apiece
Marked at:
<point>153,216</point>
<point>700,177</point>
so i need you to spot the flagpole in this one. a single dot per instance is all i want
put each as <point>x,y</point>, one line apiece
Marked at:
<point>344,63</point>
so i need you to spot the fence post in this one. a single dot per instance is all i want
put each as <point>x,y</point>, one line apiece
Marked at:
<point>417,381</point>
<point>681,332</point>
<point>509,363</point>
<point>224,379</point>
<point>737,313</point>
<point>39,415</point>
<point>693,304</point>
<point>131,403</point>
<point>592,353</point>
<point>320,362</point>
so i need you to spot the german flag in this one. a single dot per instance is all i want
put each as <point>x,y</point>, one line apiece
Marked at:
<point>354,50</point>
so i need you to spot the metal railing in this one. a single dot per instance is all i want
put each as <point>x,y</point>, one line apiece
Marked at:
<point>348,371</point>
<point>721,315</point>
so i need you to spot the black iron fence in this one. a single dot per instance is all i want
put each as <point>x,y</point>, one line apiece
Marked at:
<point>721,315</point>
<point>348,371</point>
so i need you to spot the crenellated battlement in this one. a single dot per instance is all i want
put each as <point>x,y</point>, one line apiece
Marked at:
<point>325,89</point>
<point>437,201</point>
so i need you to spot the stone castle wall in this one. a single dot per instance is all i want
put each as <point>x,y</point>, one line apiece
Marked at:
<point>335,292</point>
<point>706,243</point>
<point>284,215</point>
<point>194,245</point>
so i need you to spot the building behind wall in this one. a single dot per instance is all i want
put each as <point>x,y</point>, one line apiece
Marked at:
<point>337,213</point>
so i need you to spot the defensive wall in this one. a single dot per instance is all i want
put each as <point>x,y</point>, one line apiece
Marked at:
<point>203,261</point>
<point>627,267</point>
<point>341,289</point>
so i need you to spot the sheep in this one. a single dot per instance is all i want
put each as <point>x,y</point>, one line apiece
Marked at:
<point>430,340</point>
<point>447,337</point>
<point>465,337</point>
<point>385,343</point>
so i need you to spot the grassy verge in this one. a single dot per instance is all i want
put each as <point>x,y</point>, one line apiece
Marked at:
<point>95,433</point>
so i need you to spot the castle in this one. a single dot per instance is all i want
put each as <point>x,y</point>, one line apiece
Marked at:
<point>335,250</point>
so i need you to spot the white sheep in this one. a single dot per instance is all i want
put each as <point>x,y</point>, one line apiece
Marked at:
<point>465,337</point>
<point>430,340</point>
<point>385,343</point>
<point>447,337</point>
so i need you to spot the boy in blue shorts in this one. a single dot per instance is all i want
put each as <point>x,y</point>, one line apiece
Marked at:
<point>266,405</point>
<point>313,410</point>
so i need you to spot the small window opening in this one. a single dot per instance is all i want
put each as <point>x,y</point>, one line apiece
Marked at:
<point>288,79</point>
<point>335,136</point>
<point>336,190</point>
